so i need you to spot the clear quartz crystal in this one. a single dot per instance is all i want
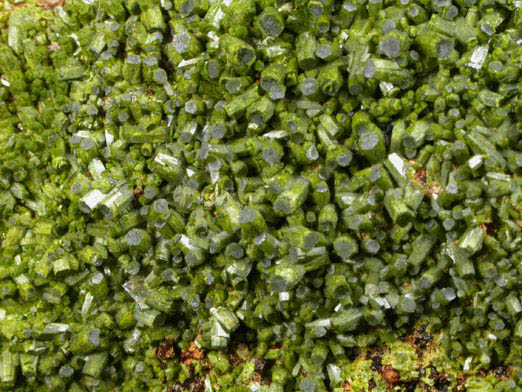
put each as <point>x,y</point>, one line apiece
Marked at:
<point>137,292</point>
<point>87,303</point>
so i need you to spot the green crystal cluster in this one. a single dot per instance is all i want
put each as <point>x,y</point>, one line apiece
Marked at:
<point>260,195</point>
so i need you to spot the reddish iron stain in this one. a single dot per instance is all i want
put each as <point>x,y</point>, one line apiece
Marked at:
<point>166,350</point>
<point>390,375</point>
<point>191,354</point>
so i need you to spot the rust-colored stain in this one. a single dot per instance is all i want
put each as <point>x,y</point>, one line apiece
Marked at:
<point>166,350</point>
<point>438,378</point>
<point>50,4</point>
<point>420,340</point>
<point>490,228</point>
<point>191,354</point>
<point>260,364</point>
<point>176,388</point>
<point>461,382</point>
<point>390,375</point>
<point>420,177</point>
<point>193,384</point>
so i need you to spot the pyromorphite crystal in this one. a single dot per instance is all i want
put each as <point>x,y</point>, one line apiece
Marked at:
<point>261,195</point>
<point>402,358</point>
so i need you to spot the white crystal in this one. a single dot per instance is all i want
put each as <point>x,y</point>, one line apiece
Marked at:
<point>55,328</point>
<point>220,332</point>
<point>254,387</point>
<point>478,57</point>
<point>475,161</point>
<point>87,303</point>
<point>75,38</point>
<point>386,87</point>
<point>220,14</point>
<point>398,163</point>
<point>12,36</point>
<point>491,336</point>
<point>277,134</point>
<point>164,159</point>
<point>21,279</point>
<point>96,168</point>
<point>334,373</point>
<point>208,385</point>
<point>186,63</point>
<point>91,200</point>
<point>109,137</point>
<point>467,363</point>
<point>97,278</point>
<point>284,296</point>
